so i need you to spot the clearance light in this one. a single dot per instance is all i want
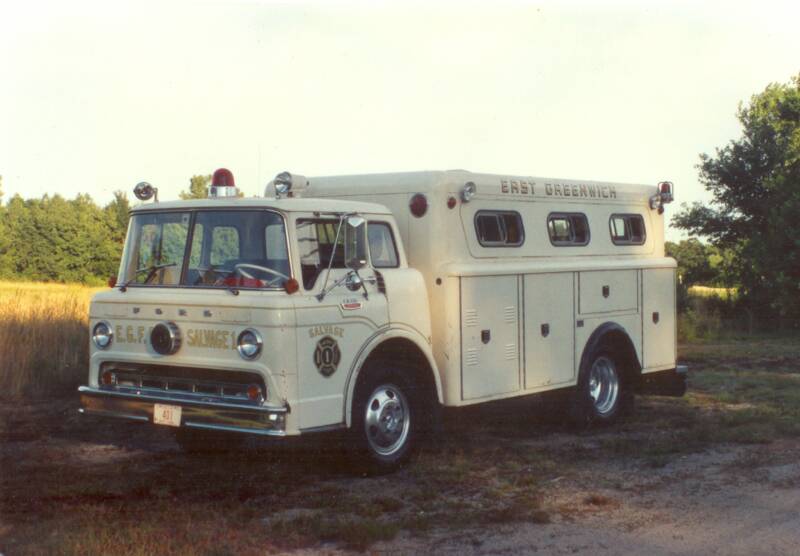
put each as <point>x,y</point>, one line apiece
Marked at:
<point>291,286</point>
<point>418,205</point>
<point>451,202</point>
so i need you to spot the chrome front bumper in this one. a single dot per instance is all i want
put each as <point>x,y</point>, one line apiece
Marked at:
<point>196,414</point>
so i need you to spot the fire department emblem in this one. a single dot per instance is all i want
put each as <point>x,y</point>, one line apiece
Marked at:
<point>327,356</point>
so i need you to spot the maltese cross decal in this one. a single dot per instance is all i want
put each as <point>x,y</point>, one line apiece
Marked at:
<point>327,356</point>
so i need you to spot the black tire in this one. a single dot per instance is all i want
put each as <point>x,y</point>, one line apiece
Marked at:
<point>604,393</point>
<point>390,417</point>
<point>198,441</point>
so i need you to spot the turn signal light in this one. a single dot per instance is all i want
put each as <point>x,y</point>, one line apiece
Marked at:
<point>107,378</point>
<point>254,393</point>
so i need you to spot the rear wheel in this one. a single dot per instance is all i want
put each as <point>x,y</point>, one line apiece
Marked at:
<point>603,393</point>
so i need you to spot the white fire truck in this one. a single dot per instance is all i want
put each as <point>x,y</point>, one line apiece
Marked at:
<point>369,302</point>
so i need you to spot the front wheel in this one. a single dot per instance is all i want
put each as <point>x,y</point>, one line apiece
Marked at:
<point>386,420</point>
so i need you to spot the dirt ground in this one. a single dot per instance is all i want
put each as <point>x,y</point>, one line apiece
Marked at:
<point>716,472</point>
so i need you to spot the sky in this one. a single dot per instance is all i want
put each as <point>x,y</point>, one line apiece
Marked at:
<point>97,96</point>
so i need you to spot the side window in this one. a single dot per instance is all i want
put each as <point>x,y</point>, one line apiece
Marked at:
<point>627,229</point>
<point>224,244</point>
<point>499,228</point>
<point>315,240</point>
<point>382,249</point>
<point>568,229</point>
<point>275,241</point>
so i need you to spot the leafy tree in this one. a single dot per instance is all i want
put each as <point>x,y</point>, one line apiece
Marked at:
<point>4,240</point>
<point>755,186</point>
<point>694,261</point>
<point>198,187</point>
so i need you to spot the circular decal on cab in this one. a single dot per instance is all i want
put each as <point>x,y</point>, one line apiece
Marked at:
<point>327,356</point>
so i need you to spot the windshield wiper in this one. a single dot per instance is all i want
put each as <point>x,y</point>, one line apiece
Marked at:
<point>151,270</point>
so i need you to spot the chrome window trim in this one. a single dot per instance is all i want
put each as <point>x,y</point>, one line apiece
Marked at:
<point>499,212</point>
<point>569,216</point>
<point>192,212</point>
<point>627,216</point>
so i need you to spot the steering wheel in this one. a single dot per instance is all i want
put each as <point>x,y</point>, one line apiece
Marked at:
<point>238,268</point>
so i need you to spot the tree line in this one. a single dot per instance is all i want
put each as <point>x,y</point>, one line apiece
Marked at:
<point>750,227</point>
<point>55,239</point>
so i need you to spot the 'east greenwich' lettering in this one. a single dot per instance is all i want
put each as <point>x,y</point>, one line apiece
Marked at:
<point>528,187</point>
<point>580,190</point>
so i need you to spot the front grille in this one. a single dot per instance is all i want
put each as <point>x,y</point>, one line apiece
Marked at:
<point>183,382</point>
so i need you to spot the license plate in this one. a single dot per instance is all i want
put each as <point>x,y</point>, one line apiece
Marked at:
<point>167,415</point>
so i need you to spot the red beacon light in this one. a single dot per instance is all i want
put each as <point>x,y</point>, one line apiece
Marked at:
<point>665,190</point>
<point>664,196</point>
<point>222,184</point>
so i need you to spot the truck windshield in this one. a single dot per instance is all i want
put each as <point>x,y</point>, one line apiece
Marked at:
<point>208,248</point>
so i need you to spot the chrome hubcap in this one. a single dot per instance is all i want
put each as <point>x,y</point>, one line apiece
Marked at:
<point>387,419</point>
<point>604,385</point>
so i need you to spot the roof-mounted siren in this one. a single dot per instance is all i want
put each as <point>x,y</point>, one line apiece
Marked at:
<point>222,185</point>
<point>665,195</point>
<point>286,185</point>
<point>144,191</point>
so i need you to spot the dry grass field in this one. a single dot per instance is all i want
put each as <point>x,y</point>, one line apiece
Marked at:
<point>509,477</point>
<point>44,338</point>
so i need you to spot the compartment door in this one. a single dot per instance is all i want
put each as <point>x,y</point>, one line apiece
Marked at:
<point>490,354</point>
<point>607,291</point>
<point>549,329</point>
<point>658,316</point>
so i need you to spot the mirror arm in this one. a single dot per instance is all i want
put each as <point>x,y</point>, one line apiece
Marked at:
<point>363,284</point>
<point>323,293</point>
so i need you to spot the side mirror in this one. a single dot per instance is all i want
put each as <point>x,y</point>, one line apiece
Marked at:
<point>355,242</point>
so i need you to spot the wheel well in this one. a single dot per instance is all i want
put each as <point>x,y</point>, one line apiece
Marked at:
<point>406,352</point>
<point>615,339</point>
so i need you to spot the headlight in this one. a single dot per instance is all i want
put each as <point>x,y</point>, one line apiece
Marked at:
<point>102,335</point>
<point>249,344</point>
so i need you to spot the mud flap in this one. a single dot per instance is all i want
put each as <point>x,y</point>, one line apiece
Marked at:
<point>671,382</point>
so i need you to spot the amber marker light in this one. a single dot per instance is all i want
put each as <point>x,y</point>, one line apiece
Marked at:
<point>254,393</point>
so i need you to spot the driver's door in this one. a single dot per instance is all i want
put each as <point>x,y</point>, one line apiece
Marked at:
<point>331,331</point>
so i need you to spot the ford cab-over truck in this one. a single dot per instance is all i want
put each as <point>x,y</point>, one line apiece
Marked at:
<point>369,302</point>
